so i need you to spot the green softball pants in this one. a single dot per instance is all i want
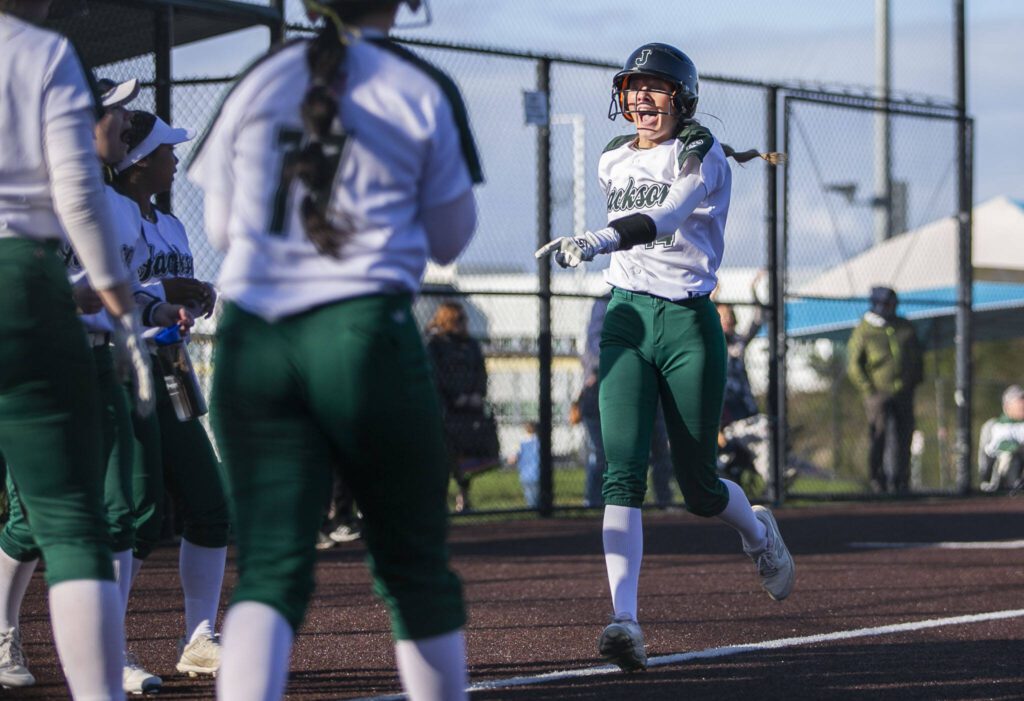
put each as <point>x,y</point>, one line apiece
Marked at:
<point>177,456</point>
<point>49,413</point>
<point>16,538</point>
<point>651,348</point>
<point>346,385</point>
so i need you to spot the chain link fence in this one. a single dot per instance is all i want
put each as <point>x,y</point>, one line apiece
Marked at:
<point>829,208</point>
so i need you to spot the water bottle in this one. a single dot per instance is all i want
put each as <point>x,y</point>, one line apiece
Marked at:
<point>180,377</point>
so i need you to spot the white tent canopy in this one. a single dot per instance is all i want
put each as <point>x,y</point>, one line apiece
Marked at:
<point>921,265</point>
<point>925,258</point>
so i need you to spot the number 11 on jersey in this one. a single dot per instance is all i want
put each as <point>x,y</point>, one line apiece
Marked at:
<point>291,142</point>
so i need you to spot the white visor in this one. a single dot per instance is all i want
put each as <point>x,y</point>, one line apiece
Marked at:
<point>121,94</point>
<point>162,133</point>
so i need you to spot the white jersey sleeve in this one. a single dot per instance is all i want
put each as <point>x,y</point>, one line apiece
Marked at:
<point>50,181</point>
<point>76,178</point>
<point>212,169</point>
<point>79,200</point>
<point>696,180</point>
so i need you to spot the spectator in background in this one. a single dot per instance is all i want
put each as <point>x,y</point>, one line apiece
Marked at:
<point>1001,444</point>
<point>739,402</point>
<point>461,375</point>
<point>590,415</point>
<point>527,461</point>
<point>742,439</point>
<point>885,364</point>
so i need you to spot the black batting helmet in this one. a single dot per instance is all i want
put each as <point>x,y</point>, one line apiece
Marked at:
<point>661,61</point>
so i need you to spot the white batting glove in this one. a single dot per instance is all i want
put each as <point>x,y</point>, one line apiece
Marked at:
<point>131,359</point>
<point>570,251</point>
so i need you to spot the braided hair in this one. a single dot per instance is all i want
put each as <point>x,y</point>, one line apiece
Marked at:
<point>774,158</point>
<point>325,57</point>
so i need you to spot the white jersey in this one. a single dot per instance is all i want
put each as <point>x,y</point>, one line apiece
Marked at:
<point>407,149</point>
<point>169,254</point>
<point>42,79</point>
<point>133,253</point>
<point>681,263</point>
<point>51,187</point>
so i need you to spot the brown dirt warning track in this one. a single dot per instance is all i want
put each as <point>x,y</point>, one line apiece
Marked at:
<point>537,599</point>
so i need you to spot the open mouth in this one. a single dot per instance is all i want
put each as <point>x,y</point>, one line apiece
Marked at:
<point>646,117</point>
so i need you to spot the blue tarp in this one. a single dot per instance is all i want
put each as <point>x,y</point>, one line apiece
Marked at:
<point>998,313</point>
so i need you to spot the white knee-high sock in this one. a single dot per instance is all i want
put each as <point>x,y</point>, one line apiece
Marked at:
<point>123,577</point>
<point>623,534</point>
<point>202,574</point>
<point>14,579</point>
<point>256,644</point>
<point>740,516</point>
<point>433,669</point>
<point>88,630</point>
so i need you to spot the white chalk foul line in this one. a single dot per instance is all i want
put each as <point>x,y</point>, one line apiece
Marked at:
<point>949,545</point>
<point>736,650</point>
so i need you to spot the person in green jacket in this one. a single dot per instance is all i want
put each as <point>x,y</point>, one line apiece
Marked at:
<point>885,362</point>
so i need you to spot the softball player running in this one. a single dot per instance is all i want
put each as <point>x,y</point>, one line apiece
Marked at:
<point>334,169</point>
<point>175,453</point>
<point>50,434</point>
<point>667,190</point>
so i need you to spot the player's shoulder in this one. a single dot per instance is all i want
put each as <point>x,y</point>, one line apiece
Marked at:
<point>120,201</point>
<point>37,46</point>
<point>30,36</point>
<point>166,220</point>
<point>416,72</point>
<point>696,140</point>
<point>414,77</point>
<point>275,67</point>
<point>619,142</point>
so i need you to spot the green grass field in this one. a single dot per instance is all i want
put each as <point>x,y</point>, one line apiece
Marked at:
<point>500,490</point>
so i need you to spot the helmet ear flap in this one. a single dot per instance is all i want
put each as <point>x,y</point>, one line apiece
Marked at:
<point>623,105</point>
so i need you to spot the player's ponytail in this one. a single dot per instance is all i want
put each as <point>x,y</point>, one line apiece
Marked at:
<point>774,158</point>
<point>325,56</point>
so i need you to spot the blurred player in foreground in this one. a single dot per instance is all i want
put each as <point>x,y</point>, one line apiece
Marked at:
<point>667,188</point>
<point>19,552</point>
<point>50,183</point>
<point>334,169</point>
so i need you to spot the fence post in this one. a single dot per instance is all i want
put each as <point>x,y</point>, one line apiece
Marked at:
<point>965,271</point>
<point>277,30</point>
<point>163,42</point>
<point>544,354</point>
<point>776,305</point>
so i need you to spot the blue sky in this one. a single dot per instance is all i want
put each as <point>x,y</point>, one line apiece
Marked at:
<point>827,43</point>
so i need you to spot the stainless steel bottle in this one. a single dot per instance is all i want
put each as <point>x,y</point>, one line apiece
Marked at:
<point>179,375</point>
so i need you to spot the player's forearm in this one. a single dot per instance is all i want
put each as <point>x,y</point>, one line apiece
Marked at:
<point>117,299</point>
<point>450,227</point>
<point>79,199</point>
<point>683,197</point>
<point>216,214</point>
